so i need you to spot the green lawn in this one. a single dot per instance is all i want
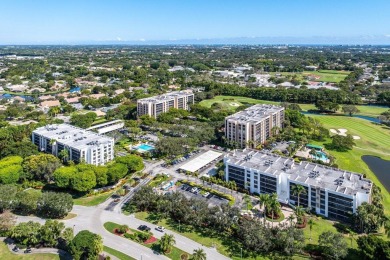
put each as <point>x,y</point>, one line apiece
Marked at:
<point>228,103</point>
<point>92,200</point>
<point>231,102</point>
<point>7,255</point>
<point>333,76</point>
<point>174,254</point>
<point>117,253</point>
<point>375,140</point>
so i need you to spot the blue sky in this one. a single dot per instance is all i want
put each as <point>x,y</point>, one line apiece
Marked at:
<point>71,21</point>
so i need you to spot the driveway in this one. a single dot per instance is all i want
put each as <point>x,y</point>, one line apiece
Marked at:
<point>93,218</point>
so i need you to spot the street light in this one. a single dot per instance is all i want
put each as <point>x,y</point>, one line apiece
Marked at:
<point>241,252</point>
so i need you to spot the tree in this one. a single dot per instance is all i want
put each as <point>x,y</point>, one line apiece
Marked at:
<point>298,190</point>
<point>198,254</point>
<point>166,243</point>
<point>333,245</point>
<point>63,176</point>
<point>7,197</point>
<point>64,154</point>
<point>373,247</point>
<point>27,201</point>
<point>248,201</point>
<point>84,181</point>
<point>26,233</point>
<point>54,205</point>
<point>311,224</point>
<point>86,245</point>
<point>10,169</point>
<point>350,109</point>
<point>41,166</point>
<point>342,143</point>
<point>50,232</point>
<point>7,221</point>
<point>116,172</point>
<point>369,217</point>
<point>133,162</point>
<point>65,238</point>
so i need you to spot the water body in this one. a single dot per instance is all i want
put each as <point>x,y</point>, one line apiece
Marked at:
<point>380,168</point>
<point>369,118</point>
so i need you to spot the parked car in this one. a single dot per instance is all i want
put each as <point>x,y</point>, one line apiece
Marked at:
<point>15,249</point>
<point>206,194</point>
<point>117,200</point>
<point>194,189</point>
<point>27,251</point>
<point>144,228</point>
<point>160,228</point>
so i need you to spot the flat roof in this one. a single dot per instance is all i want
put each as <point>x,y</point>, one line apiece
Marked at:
<point>255,113</point>
<point>314,146</point>
<point>312,174</point>
<point>200,161</point>
<point>167,96</point>
<point>72,136</point>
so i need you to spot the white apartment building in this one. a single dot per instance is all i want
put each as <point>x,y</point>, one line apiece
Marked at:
<point>82,145</point>
<point>253,126</point>
<point>153,106</point>
<point>330,192</point>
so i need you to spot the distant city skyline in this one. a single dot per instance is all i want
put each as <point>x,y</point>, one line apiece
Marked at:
<point>195,22</point>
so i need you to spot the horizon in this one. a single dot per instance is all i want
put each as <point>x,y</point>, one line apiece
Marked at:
<point>195,22</point>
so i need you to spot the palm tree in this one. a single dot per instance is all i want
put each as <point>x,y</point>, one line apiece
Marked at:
<point>274,205</point>
<point>247,201</point>
<point>299,212</point>
<point>297,190</point>
<point>291,219</point>
<point>311,224</point>
<point>166,242</point>
<point>387,228</point>
<point>198,254</point>
<point>351,235</point>
<point>263,200</point>
<point>64,155</point>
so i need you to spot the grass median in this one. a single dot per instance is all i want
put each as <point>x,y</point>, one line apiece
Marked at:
<point>174,254</point>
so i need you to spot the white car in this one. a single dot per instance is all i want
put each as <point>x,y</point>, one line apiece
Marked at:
<point>206,194</point>
<point>194,189</point>
<point>160,228</point>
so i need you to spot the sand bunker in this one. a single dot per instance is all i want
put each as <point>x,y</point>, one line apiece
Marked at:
<point>234,104</point>
<point>355,137</point>
<point>343,132</point>
<point>333,131</point>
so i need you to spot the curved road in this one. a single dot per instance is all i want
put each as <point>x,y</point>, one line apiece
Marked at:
<point>93,218</point>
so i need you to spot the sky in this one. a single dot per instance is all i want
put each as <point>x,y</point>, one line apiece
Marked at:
<point>147,21</point>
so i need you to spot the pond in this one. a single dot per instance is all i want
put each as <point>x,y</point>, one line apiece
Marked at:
<point>380,168</point>
<point>369,118</point>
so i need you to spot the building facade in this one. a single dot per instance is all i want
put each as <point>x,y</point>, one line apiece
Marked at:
<point>330,192</point>
<point>254,125</point>
<point>153,106</point>
<point>81,145</point>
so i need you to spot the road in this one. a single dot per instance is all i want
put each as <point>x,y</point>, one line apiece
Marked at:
<point>93,218</point>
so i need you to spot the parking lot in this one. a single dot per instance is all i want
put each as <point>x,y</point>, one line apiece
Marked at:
<point>211,199</point>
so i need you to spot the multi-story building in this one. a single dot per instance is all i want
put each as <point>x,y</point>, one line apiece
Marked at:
<point>330,192</point>
<point>254,125</point>
<point>153,106</point>
<point>81,145</point>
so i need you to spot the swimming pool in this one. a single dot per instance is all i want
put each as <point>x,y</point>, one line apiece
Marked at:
<point>320,156</point>
<point>144,147</point>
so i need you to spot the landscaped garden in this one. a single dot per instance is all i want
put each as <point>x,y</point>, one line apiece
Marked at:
<point>6,254</point>
<point>163,245</point>
<point>231,103</point>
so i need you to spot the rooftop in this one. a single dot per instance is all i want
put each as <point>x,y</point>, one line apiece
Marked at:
<point>315,175</point>
<point>72,136</point>
<point>255,113</point>
<point>166,96</point>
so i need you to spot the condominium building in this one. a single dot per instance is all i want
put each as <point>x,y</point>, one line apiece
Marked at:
<point>82,145</point>
<point>330,192</point>
<point>153,106</point>
<point>253,126</point>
